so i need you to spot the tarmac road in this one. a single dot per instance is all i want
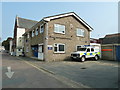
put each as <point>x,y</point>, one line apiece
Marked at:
<point>27,76</point>
<point>30,73</point>
<point>93,74</point>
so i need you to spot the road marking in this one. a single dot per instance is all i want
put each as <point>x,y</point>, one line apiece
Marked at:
<point>9,73</point>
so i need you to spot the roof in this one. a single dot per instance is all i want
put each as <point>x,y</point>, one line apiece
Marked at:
<point>93,40</point>
<point>25,23</point>
<point>111,39</point>
<point>112,35</point>
<point>49,18</point>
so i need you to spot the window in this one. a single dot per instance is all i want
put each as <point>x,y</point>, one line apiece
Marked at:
<point>36,32</point>
<point>88,50</point>
<point>33,32</point>
<point>81,49</point>
<point>92,50</point>
<point>28,35</point>
<point>59,48</point>
<point>41,29</point>
<point>80,32</point>
<point>59,28</point>
<point>78,47</point>
<point>27,49</point>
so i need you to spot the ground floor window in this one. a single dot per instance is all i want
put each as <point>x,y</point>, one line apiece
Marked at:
<point>59,48</point>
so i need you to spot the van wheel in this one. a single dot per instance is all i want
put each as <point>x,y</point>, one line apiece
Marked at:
<point>96,57</point>
<point>82,59</point>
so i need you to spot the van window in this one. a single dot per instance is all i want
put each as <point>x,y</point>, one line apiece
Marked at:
<point>92,50</point>
<point>88,50</point>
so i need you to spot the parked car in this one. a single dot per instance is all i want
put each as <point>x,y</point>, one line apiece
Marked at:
<point>85,51</point>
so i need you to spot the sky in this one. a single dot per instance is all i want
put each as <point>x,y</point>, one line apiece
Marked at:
<point>101,16</point>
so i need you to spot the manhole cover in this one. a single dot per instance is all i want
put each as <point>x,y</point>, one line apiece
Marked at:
<point>83,68</point>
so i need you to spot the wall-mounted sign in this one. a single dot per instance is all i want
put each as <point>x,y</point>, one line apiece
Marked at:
<point>50,47</point>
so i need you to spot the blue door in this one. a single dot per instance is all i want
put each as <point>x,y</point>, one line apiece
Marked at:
<point>35,51</point>
<point>118,53</point>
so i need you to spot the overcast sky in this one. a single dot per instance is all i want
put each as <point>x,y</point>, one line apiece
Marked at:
<point>101,16</point>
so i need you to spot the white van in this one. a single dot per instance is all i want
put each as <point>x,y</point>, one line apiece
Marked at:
<point>86,51</point>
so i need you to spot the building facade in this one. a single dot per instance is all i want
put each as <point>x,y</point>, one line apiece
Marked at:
<point>55,37</point>
<point>21,26</point>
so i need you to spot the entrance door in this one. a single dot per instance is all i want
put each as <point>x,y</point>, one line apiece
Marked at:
<point>40,52</point>
<point>35,50</point>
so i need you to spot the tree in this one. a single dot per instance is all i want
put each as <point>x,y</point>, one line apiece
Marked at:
<point>6,44</point>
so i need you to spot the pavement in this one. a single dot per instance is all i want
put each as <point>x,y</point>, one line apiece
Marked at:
<point>62,74</point>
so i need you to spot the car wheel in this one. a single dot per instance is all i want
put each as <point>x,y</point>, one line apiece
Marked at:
<point>96,57</point>
<point>82,58</point>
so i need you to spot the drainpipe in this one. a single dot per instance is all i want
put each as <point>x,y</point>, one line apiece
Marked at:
<point>46,42</point>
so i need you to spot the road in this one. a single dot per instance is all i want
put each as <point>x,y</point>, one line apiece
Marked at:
<point>93,74</point>
<point>27,76</point>
<point>30,73</point>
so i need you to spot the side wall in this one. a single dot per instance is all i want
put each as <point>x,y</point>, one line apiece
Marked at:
<point>31,41</point>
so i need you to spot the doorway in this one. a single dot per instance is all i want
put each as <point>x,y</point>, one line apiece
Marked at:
<point>40,51</point>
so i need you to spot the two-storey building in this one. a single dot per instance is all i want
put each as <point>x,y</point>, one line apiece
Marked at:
<point>55,37</point>
<point>21,26</point>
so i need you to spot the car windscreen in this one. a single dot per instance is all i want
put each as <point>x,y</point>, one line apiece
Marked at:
<point>81,49</point>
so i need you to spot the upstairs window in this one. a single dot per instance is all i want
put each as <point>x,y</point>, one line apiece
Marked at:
<point>33,33</point>
<point>36,32</point>
<point>28,35</point>
<point>41,28</point>
<point>80,32</point>
<point>59,48</point>
<point>59,28</point>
